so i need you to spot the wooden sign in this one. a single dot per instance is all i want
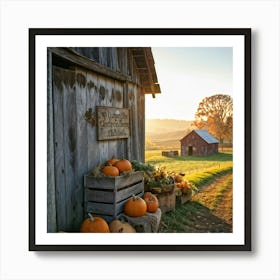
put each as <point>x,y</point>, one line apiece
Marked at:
<point>112,123</point>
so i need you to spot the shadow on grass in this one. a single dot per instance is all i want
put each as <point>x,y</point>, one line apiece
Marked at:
<point>193,217</point>
<point>205,178</point>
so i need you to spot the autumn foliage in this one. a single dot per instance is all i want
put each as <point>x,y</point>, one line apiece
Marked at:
<point>215,113</point>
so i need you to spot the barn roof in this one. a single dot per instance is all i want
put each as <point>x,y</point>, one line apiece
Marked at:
<point>145,64</point>
<point>205,135</point>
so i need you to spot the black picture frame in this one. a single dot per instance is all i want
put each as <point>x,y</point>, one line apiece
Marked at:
<point>245,32</point>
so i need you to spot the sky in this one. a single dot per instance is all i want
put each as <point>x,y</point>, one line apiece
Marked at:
<point>186,76</point>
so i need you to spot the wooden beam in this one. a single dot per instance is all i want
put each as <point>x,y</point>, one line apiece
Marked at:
<point>77,59</point>
<point>51,201</point>
<point>154,86</point>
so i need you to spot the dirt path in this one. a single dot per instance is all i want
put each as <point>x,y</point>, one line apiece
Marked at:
<point>218,197</point>
<point>224,209</point>
<point>209,211</point>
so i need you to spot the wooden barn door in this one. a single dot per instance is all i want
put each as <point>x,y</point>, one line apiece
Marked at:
<point>190,150</point>
<point>68,105</point>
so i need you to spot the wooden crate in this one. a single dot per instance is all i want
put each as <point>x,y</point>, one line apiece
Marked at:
<point>105,196</point>
<point>166,197</point>
<point>170,153</point>
<point>148,223</point>
<point>182,199</point>
<point>166,201</point>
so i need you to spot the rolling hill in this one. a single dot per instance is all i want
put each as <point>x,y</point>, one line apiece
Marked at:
<point>166,133</point>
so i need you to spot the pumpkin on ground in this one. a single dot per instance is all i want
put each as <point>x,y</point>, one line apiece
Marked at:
<point>110,171</point>
<point>94,224</point>
<point>123,165</point>
<point>118,226</point>
<point>152,203</point>
<point>135,207</point>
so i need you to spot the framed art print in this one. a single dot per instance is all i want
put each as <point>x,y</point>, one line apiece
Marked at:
<point>140,139</point>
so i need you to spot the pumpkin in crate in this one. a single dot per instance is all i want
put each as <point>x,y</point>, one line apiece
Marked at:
<point>151,201</point>
<point>110,170</point>
<point>135,207</point>
<point>123,165</point>
<point>94,224</point>
<point>148,195</point>
<point>178,178</point>
<point>111,161</point>
<point>118,226</point>
<point>185,189</point>
<point>179,185</point>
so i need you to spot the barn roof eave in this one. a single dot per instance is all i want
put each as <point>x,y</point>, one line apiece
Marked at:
<point>206,136</point>
<point>145,65</point>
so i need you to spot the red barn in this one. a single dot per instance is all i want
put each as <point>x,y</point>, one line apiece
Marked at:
<point>199,143</point>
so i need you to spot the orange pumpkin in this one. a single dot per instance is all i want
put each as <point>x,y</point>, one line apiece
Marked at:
<point>185,183</point>
<point>179,185</point>
<point>152,204</point>
<point>110,171</point>
<point>111,161</point>
<point>123,165</point>
<point>148,195</point>
<point>185,189</point>
<point>135,207</point>
<point>178,178</point>
<point>94,224</point>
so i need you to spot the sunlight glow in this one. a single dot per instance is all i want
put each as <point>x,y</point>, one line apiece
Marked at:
<point>186,76</point>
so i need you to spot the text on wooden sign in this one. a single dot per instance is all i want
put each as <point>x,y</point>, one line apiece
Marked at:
<point>112,123</point>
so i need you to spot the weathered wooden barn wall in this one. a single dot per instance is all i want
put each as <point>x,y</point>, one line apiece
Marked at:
<point>199,146</point>
<point>79,79</point>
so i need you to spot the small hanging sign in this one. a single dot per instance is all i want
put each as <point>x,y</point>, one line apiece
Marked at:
<point>112,123</point>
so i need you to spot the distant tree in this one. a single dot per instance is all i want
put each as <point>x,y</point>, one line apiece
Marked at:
<point>215,113</point>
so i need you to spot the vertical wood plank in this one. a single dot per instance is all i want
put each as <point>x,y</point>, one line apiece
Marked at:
<point>110,61</point>
<point>115,64</point>
<point>141,123</point>
<point>103,100</point>
<point>59,171</point>
<point>122,60</point>
<point>51,209</point>
<point>132,105</point>
<point>110,101</point>
<point>118,102</point>
<point>129,101</point>
<point>81,163</point>
<point>70,146</point>
<point>103,56</point>
<point>127,146</point>
<point>136,140</point>
<point>129,63</point>
<point>92,91</point>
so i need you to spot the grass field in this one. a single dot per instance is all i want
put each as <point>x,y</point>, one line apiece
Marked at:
<point>210,209</point>
<point>198,170</point>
